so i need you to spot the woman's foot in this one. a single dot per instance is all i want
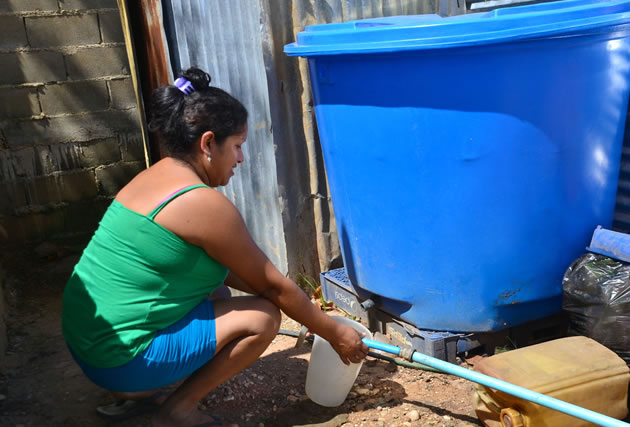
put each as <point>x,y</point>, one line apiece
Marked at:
<point>130,405</point>
<point>157,395</point>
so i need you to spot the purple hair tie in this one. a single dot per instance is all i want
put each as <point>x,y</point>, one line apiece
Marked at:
<point>184,85</point>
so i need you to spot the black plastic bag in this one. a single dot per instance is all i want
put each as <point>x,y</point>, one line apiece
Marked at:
<point>596,296</point>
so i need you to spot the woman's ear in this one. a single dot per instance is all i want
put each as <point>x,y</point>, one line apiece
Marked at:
<point>206,142</point>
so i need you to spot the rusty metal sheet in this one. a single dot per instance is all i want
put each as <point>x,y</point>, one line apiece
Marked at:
<point>153,62</point>
<point>125,21</point>
<point>148,16</point>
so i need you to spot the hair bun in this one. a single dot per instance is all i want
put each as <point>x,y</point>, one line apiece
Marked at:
<point>197,77</point>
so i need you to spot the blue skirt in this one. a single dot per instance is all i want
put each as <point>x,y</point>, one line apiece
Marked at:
<point>174,354</point>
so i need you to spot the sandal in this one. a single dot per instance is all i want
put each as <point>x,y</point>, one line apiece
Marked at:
<point>123,409</point>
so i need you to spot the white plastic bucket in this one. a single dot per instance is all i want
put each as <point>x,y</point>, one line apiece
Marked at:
<point>328,380</point>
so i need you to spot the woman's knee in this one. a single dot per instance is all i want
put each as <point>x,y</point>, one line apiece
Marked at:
<point>248,315</point>
<point>271,318</point>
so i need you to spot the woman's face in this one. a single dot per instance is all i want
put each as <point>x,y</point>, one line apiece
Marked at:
<point>226,157</point>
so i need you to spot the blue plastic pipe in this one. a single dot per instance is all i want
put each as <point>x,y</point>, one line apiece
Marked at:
<point>523,393</point>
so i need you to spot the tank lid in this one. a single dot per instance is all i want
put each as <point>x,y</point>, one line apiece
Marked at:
<point>421,32</point>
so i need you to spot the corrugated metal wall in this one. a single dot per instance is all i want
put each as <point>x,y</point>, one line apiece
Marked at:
<point>224,39</point>
<point>281,189</point>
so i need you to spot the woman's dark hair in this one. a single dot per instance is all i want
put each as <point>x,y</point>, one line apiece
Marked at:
<point>180,119</point>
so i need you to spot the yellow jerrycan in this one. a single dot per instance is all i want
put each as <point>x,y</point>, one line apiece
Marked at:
<point>577,370</point>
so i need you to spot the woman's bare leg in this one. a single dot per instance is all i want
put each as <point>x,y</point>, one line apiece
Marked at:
<point>245,327</point>
<point>222,292</point>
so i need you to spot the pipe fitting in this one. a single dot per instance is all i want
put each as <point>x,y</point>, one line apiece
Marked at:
<point>367,304</point>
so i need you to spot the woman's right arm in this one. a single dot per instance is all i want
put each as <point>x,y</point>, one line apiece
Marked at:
<point>222,233</point>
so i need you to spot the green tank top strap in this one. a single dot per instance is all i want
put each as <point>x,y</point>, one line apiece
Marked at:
<point>172,196</point>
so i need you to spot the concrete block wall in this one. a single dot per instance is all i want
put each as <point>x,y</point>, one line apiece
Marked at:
<point>70,136</point>
<point>3,321</point>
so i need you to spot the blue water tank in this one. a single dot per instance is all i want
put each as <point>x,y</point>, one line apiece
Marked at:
<point>470,158</point>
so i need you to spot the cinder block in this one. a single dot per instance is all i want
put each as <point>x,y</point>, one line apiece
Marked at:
<point>25,162</point>
<point>112,178</point>
<point>12,33</point>
<point>123,96</point>
<point>31,162</point>
<point>3,308</point>
<point>74,97</point>
<point>10,165</point>
<point>11,198</point>
<point>45,190</point>
<point>102,152</point>
<point>111,27</point>
<point>71,156</point>
<point>40,192</point>
<point>6,166</point>
<point>22,228</point>
<point>96,62</point>
<point>87,4</point>
<point>11,71</point>
<point>58,157</point>
<point>48,31</point>
<point>75,128</point>
<point>132,147</point>
<point>42,162</point>
<point>28,5</point>
<point>77,185</point>
<point>18,102</point>
<point>61,157</point>
<point>37,67</point>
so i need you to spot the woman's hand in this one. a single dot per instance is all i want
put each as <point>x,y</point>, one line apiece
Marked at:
<point>348,345</point>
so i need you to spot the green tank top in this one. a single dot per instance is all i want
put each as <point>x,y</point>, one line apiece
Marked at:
<point>134,278</point>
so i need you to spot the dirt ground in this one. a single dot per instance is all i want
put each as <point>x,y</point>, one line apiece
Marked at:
<point>40,385</point>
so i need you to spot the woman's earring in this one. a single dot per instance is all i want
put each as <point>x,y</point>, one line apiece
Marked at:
<point>209,159</point>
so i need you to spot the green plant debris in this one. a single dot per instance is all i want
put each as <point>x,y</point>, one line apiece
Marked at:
<point>317,291</point>
<point>505,348</point>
